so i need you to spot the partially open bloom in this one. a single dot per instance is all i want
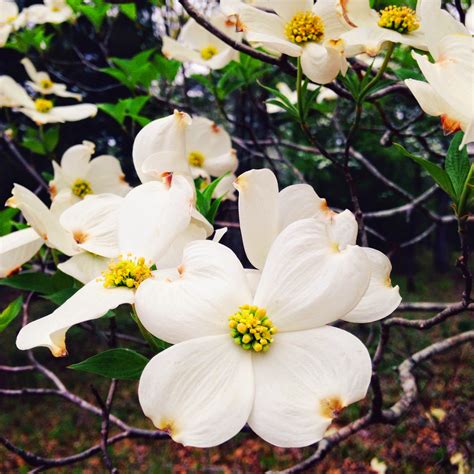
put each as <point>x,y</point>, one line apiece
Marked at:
<point>267,359</point>
<point>264,213</point>
<point>371,29</point>
<point>8,18</point>
<point>148,220</point>
<point>196,45</point>
<point>78,176</point>
<point>449,91</point>
<point>50,11</point>
<point>42,82</point>
<point>300,29</point>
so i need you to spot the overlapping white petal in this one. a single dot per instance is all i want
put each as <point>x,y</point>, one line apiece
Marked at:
<point>84,267</point>
<point>60,114</point>
<point>13,94</point>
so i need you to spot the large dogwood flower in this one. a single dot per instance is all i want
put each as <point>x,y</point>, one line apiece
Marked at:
<point>149,219</point>
<point>197,45</point>
<point>264,213</point>
<point>41,82</point>
<point>78,176</point>
<point>448,93</point>
<point>300,29</point>
<point>268,359</point>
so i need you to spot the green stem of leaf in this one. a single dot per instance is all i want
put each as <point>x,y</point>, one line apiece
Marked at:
<point>144,332</point>
<point>299,89</point>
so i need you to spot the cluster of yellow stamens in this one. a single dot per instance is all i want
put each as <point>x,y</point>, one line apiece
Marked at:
<point>196,158</point>
<point>304,27</point>
<point>126,272</point>
<point>81,188</point>
<point>43,105</point>
<point>401,19</point>
<point>46,83</point>
<point>251,329</point>
<point>209,52</point>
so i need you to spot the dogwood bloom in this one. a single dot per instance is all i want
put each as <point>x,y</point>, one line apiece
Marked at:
<point>8,18</point>
<point>12,94</point>
<point>197,45</point>
<point>51,11</point>
<point>448,93</point>
<point>78,176</point>
<point>264,213</point>
<point>42,83</point>
<point>17,248</point>
<point>150,217</point>
<point>300,29</point>
<point>268,359</point>
<point>323,95</point>
<point>371,29</point>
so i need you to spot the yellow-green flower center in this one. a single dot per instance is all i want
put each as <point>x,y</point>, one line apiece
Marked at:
<point>126,272</point>
<point>81,188</point>
<point>304,27</point>
<point>251,329</point>
<point>209,52</point>
<point>46,83</point>
<point>43,105</point>
<point>401,19</point>
<point>196,158</point>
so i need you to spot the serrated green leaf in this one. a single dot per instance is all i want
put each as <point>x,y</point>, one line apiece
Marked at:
<point>10,313</point>
<point>457,164</point>
<point>436,172</point>
<point>120,363</point>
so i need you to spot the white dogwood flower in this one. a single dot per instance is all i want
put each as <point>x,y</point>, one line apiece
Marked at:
<point>197,45</point>
<point>264,213</point>
<point>268,359</point>
<point>149,219</point>
<point>78,176</point>
<point>50,11</point>
<point>448,92</point>
<point>8,19</point>
<point>300,28</point>
<point>41,82</point>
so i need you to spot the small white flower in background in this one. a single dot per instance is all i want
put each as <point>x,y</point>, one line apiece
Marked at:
<point>8,19</point>
<point>267,359</point>
<point>300,29</point>
<point>448,92</point>
<point>196,45</point>
<point>17,248</point>
<point>378,466</point>
<point>264,213</point>
<point>147,220</point>
<point>12,94</point>
<point>43,111</point>
<point>371,29</point>
<point>43,84</point>
<point>51,11</point>
<point>323,95</point>
<point>78,176</point>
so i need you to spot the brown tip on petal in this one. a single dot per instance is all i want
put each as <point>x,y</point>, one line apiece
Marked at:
<point>331,407</point>
<point>449,125</point>
<point>13,271</point>
<point>59,351</point>
<point>123,179</point>
<point>53,191</point>
<point>344,13</point>
<point>167,178</point>
<point>215,128</point>
<point>11,202</point>
<point>180,269</point>
<point>79,236</point>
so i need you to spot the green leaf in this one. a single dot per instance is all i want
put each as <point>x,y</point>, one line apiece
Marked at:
<point>122,364</point>
<point>6,222</point>
<point>59,297</point>
<point>168,68</point>
<point>10,313</point>
<point>39,282</point>
<point>466,203</point>
<point>436,172</point>
<point>51,138</point>
<point>130,107</point>
<point>130,10</point>
<point>457,164</point>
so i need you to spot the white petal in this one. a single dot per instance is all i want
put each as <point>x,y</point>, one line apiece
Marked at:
<point>42,220</point>
<point>75,161</point>
<point>156,164</point>
<point>358,13</point>
<point>60,91</point>
<point>31,70</point>
<point>106,176</point>
<point>287,10</point>
<point>321,64</point>
<point>201,391</point>
<point>222,59</point>
<point>300,378</point>
<point>197,298</point>
<point>300,201</point>
<point>72,113</point>
<point>84,266</point>
<point>163,135</point>
<point>380,299</point>
<point>343,229</point>
<point>428,99</point>
<point>253,279</point>
<point>226,188</point>
<point>306,281</point>
<point>91,302</point>
<point>152,215</point>
<point>16,249</point>
<point>12,94</point>
<point>258,213</point>
<point>93,223</point>
<point>173,49</point>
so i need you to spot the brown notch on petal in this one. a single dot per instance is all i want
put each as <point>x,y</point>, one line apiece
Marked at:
<point>215,128</point>
<point>344,12</point>
<point>59,351</point>
<point>53,191</point>
<point>123,179</point>
<point>449,125</point>
<point>13,271</point>
<point>79,236</point>
<point>180,269</point>
<point>331,407</point>
<point>167,178</point>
